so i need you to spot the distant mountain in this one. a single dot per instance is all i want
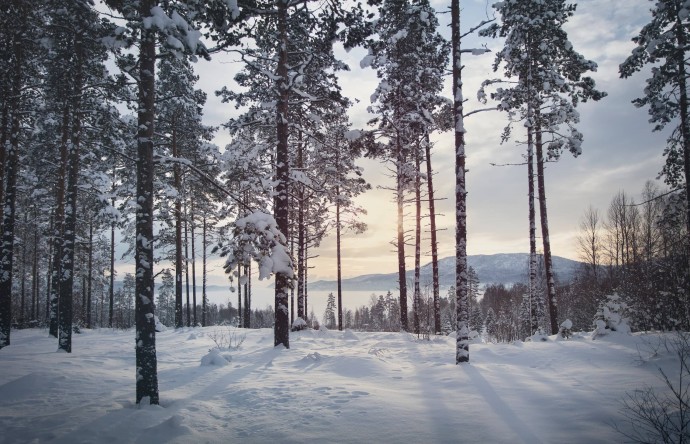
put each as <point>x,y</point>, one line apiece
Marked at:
<point>505,268</point>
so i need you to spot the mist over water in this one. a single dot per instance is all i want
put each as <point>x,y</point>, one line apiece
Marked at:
<point>264,295</point>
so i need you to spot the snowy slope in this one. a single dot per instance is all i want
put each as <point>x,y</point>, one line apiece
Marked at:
<point>506,268</point>
<point>347,387</point>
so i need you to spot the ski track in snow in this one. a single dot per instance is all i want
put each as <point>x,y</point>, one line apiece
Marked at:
<point>329,386</point>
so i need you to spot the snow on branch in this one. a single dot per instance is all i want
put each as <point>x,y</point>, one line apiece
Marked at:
<point>256,237</point>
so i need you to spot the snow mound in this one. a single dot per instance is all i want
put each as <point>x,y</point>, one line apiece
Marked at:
<point>159,325</point>
<point>171,428</point>
<point>215,357</point>
<point>350,336</point>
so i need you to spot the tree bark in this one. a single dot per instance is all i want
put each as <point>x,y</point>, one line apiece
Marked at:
<point>462,348</point>
<point>11,173</point>
<point>191,224</point>
<point>400,191</point>
<point>434,241</point>
<point>417,242</point>
<point>533,303</point>
<point>90,276</point>
<point>281,331</point>
<point>145,341</point>
<point>65,308</point>
<point>179,322</point>
<point>186,266</point>
<point>548,263</point>
<point>58,224</point>
<point>247,298</point>
<point>111,289</point>
<point>203,272</point>
<point>301,249</point>
<point>338,258</point>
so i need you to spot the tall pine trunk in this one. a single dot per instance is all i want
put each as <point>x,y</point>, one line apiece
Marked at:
<point>417,242</point>
<point>145,341</point>
<point>548,263</point>
<point>281,329</point>
<point>191,224</point>
<point>338,258</point>
<point>90,276</point>
<point>111,287</point>
<point>179,322</point>
<point>203,272</point>
<point>240,313</point>
<point>434,241</point>
<point>186,266</point>
<point>301,238</point>
<point>533,303</point>
<point>8,216</point>
<point>247,297</point>
<point>4,132</point>
<point>400,191</point>
<point>58,224</point>
<point>462,348</point>
<point>65,308</point>
<point>34,273</point>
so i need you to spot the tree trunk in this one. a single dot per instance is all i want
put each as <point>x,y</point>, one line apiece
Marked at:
<point>90,277</point>
<point>179,322</point>
<point>35,276</point>
<point>417,242</point>
<point>111,289</point>
<point>145,341</point>
<point>434,241</point>
<point>22,284</point>
<point>548,263</point>
<point>11,173</point>
<point>49,272</point>
<point>338,258</point>
<point>534,320</point>
<point>203,272</point>
<point>402,278</point>
<point>7,254</point>
<point>462,349</point>
<point>240,313</point>
<point>65,308</point>
<point>191,224</point>
<point>247,298</point>
<point>3,144</point>
<point>186,266</point>
<point>281,331</point>
<point>301,248</point>
<point>58,225</point>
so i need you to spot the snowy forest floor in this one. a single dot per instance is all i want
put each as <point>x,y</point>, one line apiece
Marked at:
<point>328,387</point>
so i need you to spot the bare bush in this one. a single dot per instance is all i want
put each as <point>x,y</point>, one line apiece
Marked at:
<point>226,339</point>
<point>662,416</point>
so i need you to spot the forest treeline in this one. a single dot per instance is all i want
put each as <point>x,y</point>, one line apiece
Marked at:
<point>102,132</point>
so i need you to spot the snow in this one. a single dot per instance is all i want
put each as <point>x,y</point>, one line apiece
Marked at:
<point>356,386</point>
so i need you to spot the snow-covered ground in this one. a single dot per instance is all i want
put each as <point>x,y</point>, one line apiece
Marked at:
<point>328,387</point>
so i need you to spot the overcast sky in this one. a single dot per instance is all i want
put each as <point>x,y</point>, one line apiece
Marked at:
<point>620,152</point>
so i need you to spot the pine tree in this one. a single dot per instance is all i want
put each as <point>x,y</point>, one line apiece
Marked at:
<point>409,56</point>
<point>663,42</point>
<point>19,22</point>
<point>329,313</point>
<point>462,304</point>
<point>550,84</point>
<point>181,39</point>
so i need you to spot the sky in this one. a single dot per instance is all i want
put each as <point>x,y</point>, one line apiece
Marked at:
<point>620,151</point>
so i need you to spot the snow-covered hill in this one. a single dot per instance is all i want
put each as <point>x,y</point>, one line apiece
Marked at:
<point>344,387</point>
<point>504,268</point>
